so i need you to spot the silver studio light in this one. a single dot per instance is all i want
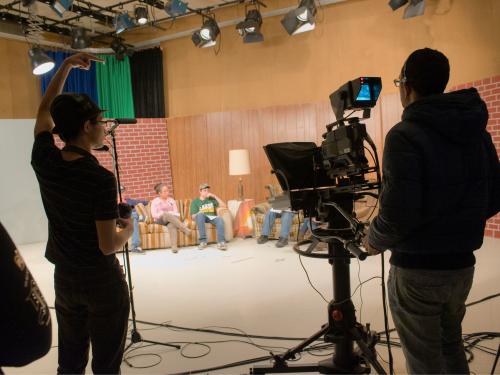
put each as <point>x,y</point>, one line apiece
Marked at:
<point>175,8</point>
<point>301,19</point>
<point>123,22</point>
<point>61,6</point>
<point>40,62</point>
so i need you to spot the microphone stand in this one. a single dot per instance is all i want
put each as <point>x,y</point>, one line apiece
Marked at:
<point>135,336</point>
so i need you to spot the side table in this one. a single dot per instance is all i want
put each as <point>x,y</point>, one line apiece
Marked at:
<point>242,219</point>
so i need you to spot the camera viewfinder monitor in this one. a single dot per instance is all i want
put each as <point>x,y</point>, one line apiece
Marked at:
<point>358,94</point>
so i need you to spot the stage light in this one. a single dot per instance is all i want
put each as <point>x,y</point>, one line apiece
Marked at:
<point>123,22</point>
<point>207,35</point>
<point>141,15</point>
<point>175,8</point>
<point>249,29</point>
<point>40,62</point>
<point>27,3</point>
<point>119,48</point>
<point>396,4</point>
<point>80,39</point>
<point>414,9</point>
<point>301,19</point>
<point>60,6</point>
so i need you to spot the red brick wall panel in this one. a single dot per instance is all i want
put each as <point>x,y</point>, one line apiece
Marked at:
<point>143,157</point>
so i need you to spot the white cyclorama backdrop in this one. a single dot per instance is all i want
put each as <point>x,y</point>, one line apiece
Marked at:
<point>21,209</point>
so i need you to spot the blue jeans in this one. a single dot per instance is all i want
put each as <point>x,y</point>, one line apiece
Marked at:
<point>201,219</point>
<point>306,225</point>
<point>286,222</point>
<point>136,239</point>
<point>427,308</point>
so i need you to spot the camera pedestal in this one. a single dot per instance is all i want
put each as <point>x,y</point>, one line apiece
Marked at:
<point>342,329</point>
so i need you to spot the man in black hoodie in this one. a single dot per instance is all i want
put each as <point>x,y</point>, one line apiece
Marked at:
<point>441,182</point>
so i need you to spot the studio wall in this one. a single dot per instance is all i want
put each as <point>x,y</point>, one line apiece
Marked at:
<point>21,209</point>
<point>200,144</point>
<point>352,38</point>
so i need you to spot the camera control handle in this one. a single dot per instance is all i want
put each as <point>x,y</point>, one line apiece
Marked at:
<point>355,250</point>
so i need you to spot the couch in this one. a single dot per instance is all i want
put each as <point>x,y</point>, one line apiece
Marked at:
<point>156,236</point>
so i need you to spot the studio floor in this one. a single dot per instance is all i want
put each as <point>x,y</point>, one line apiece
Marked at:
<point>251,289</point>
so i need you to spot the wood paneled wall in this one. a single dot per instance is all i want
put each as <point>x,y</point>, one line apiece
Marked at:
<point>199,145</point>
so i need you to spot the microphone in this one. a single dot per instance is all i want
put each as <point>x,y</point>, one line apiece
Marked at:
<point>102,148</point>
<point>119,121</point>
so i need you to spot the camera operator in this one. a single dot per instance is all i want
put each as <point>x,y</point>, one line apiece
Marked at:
<point>79,197</point>
<point>441,182</point>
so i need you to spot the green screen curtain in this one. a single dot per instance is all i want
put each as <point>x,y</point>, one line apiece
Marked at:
<point>114,87</point>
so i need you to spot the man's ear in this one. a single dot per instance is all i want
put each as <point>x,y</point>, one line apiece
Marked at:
<point>87,127</point>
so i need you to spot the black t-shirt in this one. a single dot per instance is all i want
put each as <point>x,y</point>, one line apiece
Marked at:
<point>25,324</point>
<point>75,194</point>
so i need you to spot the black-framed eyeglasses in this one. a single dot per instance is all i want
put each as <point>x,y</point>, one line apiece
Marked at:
<point>99,122</point>
<point>399,81</point>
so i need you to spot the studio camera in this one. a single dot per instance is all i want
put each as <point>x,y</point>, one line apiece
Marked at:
<point>310,175</point>
<point>325,182</point>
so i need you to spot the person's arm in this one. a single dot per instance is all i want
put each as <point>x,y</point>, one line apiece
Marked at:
<point>221,203</point>
<point>194,209</point>
<point>401,198</point>
<point>110,240</point>
<point>43,119</point>
<point>175,209</point>
<point>155,209</point>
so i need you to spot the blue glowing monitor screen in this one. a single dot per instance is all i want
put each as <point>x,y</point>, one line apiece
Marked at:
<point>366,95</point>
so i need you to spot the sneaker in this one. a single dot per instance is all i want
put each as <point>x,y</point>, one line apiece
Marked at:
<point>282,242</point>
<point>262,239</point>
<point>222,246</point>
<point>202,245</point>
<point>138,250</point>
<point>175,250</point>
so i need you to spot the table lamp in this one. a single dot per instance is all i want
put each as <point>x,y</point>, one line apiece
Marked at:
<point>239,165</point>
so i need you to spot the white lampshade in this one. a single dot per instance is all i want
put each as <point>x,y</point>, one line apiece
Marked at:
<point>239,162</point>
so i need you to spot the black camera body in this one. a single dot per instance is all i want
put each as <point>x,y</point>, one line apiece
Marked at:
<point>343,150</point>
<point>311,176</point>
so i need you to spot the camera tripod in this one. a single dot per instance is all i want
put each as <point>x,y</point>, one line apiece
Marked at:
<point>342,328</point>
<point>135,336</point>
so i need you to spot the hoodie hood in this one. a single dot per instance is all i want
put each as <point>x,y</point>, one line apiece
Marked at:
<point>460,116</point>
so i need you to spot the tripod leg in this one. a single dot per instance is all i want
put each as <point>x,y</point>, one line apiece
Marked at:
<point>369,352</point>
<point>280,365</point>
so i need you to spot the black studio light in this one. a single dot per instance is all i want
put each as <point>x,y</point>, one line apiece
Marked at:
<point>206,36</point>
<point>119,49</point>
<point>141,15</point>
<point>80,39</point>
<point>249,29</point>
